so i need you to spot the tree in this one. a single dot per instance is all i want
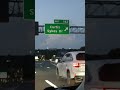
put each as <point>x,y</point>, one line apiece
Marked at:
<point>82,48</point>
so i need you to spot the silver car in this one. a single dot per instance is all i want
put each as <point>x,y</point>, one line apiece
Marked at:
<point>72,67</point>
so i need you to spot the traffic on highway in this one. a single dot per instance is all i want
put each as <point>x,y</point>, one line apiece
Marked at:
<point>59,45</point>
<point>65,72</point>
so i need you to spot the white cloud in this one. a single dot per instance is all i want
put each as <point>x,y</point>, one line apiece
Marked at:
<point>63,41</point>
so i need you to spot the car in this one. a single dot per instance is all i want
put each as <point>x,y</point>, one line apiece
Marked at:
<point>36,58</point>
<point>71,67</point>
<point>50,60</point>
<point>57,59</point>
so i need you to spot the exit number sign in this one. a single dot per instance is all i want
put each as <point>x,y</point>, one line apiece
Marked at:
<point>61,21</point>
<point>29,9</point>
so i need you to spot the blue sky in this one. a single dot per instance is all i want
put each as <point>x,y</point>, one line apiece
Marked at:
<point>48,10</point>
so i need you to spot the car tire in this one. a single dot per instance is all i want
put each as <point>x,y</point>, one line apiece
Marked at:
<point>70,82</point>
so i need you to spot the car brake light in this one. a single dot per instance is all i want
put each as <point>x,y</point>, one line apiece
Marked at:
<point>76,64</point>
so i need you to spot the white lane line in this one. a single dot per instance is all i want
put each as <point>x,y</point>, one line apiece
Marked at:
<point>51,84</point>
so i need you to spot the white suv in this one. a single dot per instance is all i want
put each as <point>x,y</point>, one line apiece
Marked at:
<point>72,67</point>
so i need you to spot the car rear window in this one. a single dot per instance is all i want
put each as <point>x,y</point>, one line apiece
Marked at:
<point>110,72</point>
<point>80,56</point>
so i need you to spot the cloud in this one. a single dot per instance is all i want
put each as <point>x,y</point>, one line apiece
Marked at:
<point>63,41</point>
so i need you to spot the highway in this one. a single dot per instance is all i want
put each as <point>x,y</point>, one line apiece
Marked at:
<point>46,76</point>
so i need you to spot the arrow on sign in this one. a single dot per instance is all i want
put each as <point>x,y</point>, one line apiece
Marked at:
<point>66,29</point>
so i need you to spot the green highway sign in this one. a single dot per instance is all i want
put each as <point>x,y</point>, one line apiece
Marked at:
<point>61,21</point>
<point>29,9</point>
<point>56,29</point>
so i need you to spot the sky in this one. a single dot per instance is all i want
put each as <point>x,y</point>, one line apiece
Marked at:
<point>48,10</point>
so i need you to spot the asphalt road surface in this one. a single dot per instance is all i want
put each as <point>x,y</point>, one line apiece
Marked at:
<point>27,85</point>
<point>46,76</point>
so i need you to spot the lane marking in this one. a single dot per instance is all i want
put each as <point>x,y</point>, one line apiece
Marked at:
<point>51,84</point>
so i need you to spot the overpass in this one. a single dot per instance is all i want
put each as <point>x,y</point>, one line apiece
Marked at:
<point>102,8</point>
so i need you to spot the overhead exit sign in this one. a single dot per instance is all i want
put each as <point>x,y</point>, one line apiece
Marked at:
<point>29,9</point>
<point>61,21</point>
<point>56,29</point>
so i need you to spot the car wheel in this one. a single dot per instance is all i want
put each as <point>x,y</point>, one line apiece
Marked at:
<point>70,82</point>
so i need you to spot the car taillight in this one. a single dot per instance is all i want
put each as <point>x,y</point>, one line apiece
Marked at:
<point>76,64</point>
<point>104,89</point>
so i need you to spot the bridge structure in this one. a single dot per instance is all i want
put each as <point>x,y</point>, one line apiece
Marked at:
<point>102,8</point>
<point>93,9</point>
<point>16,10</point>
